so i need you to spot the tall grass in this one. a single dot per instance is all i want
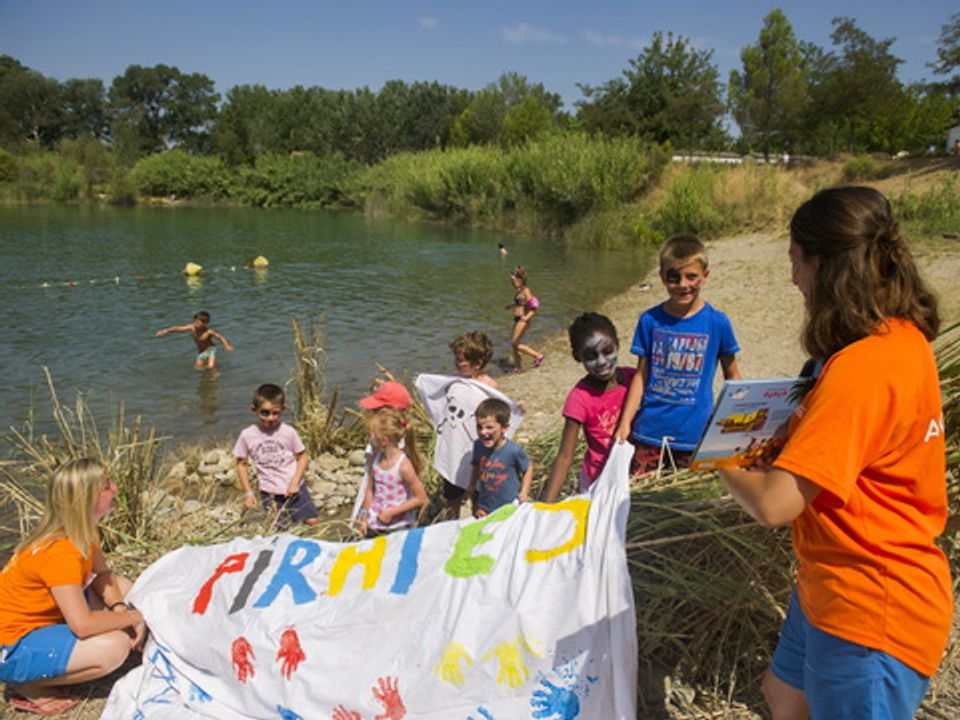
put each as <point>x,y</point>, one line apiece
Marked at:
<point>935,211</point>
<point>128,450</point>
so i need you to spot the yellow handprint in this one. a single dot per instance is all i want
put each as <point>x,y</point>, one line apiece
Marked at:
<point>512,670</point>
<point>448,667</point>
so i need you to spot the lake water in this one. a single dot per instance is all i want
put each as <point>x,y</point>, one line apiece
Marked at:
<point>85,289</point>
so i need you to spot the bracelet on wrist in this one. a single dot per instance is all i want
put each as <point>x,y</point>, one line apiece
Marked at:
<point>114,606</point>
<point>248,493</point>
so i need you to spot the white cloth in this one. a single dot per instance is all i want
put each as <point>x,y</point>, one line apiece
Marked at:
<point>527,613</point>
<point>450,402</point>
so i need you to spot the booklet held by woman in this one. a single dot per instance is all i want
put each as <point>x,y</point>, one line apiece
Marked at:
<point>748,423</point>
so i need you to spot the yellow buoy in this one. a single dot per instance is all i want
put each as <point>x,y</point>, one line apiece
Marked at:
<point>192,269</point>
<point>260,261</point>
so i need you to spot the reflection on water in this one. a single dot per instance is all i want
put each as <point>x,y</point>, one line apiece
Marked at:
<point>207,395</point>
<point>390,293</point>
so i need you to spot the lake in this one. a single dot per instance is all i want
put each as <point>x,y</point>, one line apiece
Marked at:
<point>85,289</point>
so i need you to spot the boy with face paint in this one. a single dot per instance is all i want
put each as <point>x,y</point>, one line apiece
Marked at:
<point>594,403</point>
<point>679,344</point>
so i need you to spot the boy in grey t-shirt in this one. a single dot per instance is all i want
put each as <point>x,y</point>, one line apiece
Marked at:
<point>501,471</point>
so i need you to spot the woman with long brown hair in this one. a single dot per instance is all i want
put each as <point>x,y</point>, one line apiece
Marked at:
<point>861,479</point>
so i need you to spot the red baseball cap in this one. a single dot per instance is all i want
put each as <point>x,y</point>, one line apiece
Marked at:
<point>389,394</point>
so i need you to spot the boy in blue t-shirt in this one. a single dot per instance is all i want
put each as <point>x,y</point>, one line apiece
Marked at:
<point>679,343</point>
<point>501,472</point>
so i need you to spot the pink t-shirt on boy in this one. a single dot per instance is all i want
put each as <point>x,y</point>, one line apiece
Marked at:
<point>598,411</point>
<point>273,454</point>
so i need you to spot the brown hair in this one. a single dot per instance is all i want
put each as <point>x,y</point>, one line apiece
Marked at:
<point>268,392</point>
<point>474,347</point>
<point>520,272</point>
<point>683,249</point>
<point>392,424</point>
<point>495,408</point>
<point>865,272</point>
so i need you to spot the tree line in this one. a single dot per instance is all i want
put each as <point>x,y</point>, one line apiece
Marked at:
<point>788,96</point>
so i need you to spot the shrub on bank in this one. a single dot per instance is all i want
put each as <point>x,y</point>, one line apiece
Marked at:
<point>933,212</point>
<point>181,174</point>
<point>300,180</point>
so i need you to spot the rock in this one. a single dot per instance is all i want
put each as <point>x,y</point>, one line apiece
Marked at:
<point>178,472</point>
<point>208,470</point>
<point>191,506</point>
<point>357,458</point>
<point>325,487</point>
<point>330,462</point>
<point>212,457</point>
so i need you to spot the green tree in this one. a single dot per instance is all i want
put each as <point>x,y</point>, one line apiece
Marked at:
<point>671,92</point>
<point>29,105</point>
<point>855,89</point>
<point>525,121</point>
<point>948,52</point>
<point>159,107</point>
<point>481,121</point>
<point>770,96</point>
<point>85,111</point>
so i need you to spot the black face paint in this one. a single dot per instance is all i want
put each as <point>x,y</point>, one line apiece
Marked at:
<point>672,275</point>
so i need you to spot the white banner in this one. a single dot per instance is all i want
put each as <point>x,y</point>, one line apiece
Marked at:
<point>526,613</point>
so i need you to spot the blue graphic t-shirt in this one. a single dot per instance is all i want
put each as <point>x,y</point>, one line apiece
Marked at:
<point>500,472</point>
<point>682,355</point>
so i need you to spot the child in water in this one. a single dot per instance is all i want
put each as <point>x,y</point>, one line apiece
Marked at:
<point>525,305</point>
<point>394,492</point>
<point>203,336</point>
<point>63,619</point>
<point>594,403</point>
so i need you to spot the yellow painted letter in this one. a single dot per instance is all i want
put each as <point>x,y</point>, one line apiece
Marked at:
<point>350,556</point>
<point>579,508</point>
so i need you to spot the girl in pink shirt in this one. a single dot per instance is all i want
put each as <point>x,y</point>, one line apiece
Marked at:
<point>594,403</point>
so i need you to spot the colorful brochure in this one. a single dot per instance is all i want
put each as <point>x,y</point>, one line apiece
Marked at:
<point>748,423</point>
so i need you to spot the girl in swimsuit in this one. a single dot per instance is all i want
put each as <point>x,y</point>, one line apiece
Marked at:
<point>525,305</point>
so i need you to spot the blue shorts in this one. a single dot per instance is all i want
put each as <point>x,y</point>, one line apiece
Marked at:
<point>40,654</point>
<point>842,679</point>
<point>298,508</point>
<point>207,354</point>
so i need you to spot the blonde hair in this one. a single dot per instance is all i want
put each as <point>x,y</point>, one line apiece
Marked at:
<point>683,249</point>
<point>391,424</point>
<point>72,490</point>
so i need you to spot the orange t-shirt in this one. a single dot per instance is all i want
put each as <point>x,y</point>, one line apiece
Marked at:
<point>25,599</point>
<point>870,435</point>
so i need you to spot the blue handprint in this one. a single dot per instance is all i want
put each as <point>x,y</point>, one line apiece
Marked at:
<point>554,702</point>
<point>484,714</point>
<point>287,713</point>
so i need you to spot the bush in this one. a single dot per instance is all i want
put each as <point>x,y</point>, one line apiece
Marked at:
<point>301,180</point>
<point>934,212</point>
<point>690,207</point>
<point>8,167</point>
<point>861,167</point>
<point>180,174</point>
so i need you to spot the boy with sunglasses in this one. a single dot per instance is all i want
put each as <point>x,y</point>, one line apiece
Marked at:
<point>279,459</point>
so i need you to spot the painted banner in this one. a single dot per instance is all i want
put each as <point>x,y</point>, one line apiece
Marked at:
<point>525,613</point>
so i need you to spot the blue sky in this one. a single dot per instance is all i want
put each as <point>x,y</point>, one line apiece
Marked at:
<point>355,43</point>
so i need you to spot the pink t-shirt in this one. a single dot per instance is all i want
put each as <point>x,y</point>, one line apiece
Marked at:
<point>598,411</point>
<point>273,454</point>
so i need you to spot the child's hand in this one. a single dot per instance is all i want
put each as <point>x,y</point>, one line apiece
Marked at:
<point>386,516</point>
<point>523,498</point>
<point>228,347</point>
<point>292,489</point>
<point>250,501</point>
<point>161,333</point>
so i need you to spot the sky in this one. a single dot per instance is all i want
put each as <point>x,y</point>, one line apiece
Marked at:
<point>350,44</point>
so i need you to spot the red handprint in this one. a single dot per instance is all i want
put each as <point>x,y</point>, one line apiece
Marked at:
<point>240,654</point>
<point>388,694</point>
<point>290,652</point>
<point>341,713</point>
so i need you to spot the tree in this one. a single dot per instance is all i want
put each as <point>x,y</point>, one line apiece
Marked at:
<point>482,120</point>
<point>671,92</point>
<point>85,111</point>
<point>948,52</point>
<point>855,89</point>
<point>525,121</point>
<point>770,96</point>
<point>160,107</point>
<point>29,105</point>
